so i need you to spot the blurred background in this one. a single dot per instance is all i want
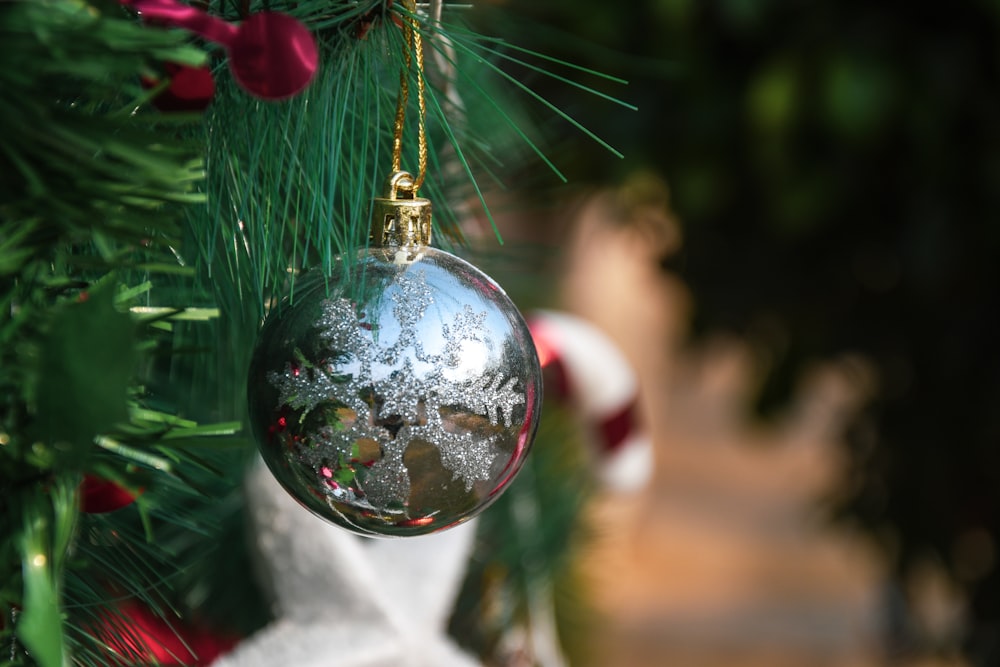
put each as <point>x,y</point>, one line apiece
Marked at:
<point>798,256</point>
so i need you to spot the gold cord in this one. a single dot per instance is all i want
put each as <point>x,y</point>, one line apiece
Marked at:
<point>415,45</point>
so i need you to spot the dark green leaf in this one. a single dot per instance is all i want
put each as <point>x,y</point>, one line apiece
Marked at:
<point>87,360</point>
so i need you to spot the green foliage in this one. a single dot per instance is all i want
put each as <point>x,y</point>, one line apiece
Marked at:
<point>76,160</point>
<point>88,200</point>
<point>280,204</point>
<point>110,355</point>
<point>289,185</point>
<point>523,566</point>
<point>42,542</point>
<point>87,358</point>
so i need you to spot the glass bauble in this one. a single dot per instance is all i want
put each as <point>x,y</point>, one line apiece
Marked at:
<point>398,395</point>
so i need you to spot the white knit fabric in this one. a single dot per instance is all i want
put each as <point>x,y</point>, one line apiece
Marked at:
<point>346,601</point>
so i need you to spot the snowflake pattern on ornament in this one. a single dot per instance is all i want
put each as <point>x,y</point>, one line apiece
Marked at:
<point>394,394</point>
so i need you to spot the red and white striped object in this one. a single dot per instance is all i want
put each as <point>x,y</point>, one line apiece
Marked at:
<point>586,370</point>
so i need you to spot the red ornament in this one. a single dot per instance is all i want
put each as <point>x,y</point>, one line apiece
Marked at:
<point>99,495</point>
<point>190,89</point>
<point>136,635</point>
<point>272,55</point>
<point>584,369</point>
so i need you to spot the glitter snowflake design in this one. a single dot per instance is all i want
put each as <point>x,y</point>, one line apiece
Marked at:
<point>391,395</point>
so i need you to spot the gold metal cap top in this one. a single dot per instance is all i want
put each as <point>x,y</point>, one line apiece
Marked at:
<point>400,218</point>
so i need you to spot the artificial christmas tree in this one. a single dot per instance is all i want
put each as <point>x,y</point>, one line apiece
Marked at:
<point>140,250</point>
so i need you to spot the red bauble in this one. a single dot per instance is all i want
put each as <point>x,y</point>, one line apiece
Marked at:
<point>272,55</point>
<point>99,495</point>
<point>190,89</point>
<point>585,370</point>
<point>136,632</point>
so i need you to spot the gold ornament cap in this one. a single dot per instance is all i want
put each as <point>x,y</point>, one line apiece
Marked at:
<point>400,219</point>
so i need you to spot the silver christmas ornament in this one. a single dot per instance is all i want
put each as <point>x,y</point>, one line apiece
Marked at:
<point>400,394</point>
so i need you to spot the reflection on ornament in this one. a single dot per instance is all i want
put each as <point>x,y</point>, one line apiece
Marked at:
<point>398,395</point>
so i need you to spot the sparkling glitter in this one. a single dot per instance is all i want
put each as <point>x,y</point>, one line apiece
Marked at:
<point>495,397</point>
<point>389,483</point>
<point>303,389</point>
<point>340,327</point>
<point>470,459</point>
<point>412,299</point>
<point>404,403</point>
<point>402,395</point>
<point>466,327</point>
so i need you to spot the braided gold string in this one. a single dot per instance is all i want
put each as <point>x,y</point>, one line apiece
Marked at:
<point>414,45</point>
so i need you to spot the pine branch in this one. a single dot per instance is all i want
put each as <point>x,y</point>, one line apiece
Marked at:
<point>91,197</point>
<point>90,232</point>
<point>71,151</point>
<point>290,184</point>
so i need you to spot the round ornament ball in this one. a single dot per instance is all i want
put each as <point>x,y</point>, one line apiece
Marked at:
<point>398,395</point>
<point>98,496</point>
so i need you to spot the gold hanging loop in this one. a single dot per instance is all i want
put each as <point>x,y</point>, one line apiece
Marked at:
<point>401,219</point>
<point>413,54</point>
